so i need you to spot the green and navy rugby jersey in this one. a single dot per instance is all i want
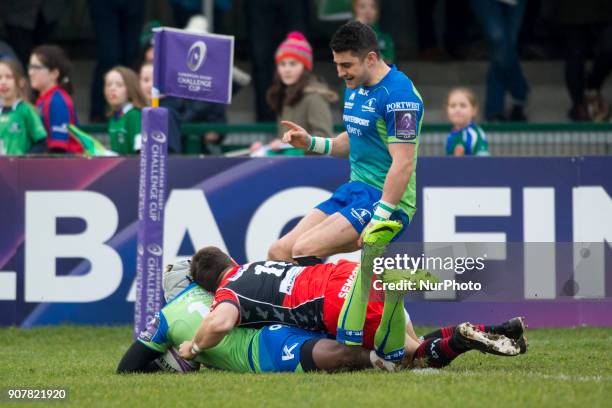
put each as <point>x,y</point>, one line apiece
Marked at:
<point>472,138</point>
<point>374,117</point>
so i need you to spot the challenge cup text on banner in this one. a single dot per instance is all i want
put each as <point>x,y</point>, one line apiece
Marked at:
<point>151,199</point>
<point>193,66</point>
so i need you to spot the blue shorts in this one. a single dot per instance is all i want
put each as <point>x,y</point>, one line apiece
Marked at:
<point>280,347</point>
<point>357,201</point>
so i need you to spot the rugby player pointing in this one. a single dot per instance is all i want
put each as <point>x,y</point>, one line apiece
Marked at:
<point>382,114</point>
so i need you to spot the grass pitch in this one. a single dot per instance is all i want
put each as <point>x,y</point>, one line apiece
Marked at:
<point>564,367</point>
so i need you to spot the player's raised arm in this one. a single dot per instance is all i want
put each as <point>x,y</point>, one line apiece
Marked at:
<point>298,137</point>
<point>213,329</point>
<point>340,145</point>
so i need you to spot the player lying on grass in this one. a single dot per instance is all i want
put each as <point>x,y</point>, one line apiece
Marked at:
<point>270,349</point>
<point>274,348</point>
<point>330,297</point>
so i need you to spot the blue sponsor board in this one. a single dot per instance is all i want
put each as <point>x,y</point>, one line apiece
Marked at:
<point>68,241</point>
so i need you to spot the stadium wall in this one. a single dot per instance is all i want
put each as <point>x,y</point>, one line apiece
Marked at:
<point>68,235</point>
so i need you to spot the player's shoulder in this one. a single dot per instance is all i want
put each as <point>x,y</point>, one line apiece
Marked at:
<point>401,94</point>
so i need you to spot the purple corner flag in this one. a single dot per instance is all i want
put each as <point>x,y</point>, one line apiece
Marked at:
<point>151,199</point>
<point>193,66</point>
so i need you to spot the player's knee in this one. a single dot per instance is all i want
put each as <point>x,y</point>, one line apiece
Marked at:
<point>279,251</point>
<point>303,248</point>
<point>348,355</point>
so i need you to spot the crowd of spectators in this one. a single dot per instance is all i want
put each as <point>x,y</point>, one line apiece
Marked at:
<point>38,98</point>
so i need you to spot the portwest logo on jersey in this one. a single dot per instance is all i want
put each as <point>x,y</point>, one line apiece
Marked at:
<point>196,55</point>
<point>369,106</point>
<point>394,106</point>
<point>363,92</point>
<point>362,215</point>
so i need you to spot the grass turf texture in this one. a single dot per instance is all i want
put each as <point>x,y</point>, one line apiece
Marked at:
<point>567,367</point>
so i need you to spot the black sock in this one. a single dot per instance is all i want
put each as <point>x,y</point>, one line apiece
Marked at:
<point>448,331</point>
<point>437,353</point>
<point>307,260</point>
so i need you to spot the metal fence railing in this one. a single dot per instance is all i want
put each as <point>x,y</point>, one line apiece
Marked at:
<point>512,139</point>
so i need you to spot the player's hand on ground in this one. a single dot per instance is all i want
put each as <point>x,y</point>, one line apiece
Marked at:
<point>296,136</point>
<point>185,350</point>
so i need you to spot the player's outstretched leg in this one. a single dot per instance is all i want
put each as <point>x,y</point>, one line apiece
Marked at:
<point>513,329</point>
<point>440,352</point>
<point>353,313</point>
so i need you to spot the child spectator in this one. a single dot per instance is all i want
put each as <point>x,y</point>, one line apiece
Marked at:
<point>49,71</point>
<point>20,125</point>
<point>368,12</point>
<point>466,138</point>
<point>296,95</point>
<point>123,95</point>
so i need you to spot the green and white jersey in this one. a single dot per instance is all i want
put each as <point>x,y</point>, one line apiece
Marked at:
<point>20,128</point>
<point>179,321</point>
<point>472,138</point>
<point>124,130</point>
<point>375,117</point>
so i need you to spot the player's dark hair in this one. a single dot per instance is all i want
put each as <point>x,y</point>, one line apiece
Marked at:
<point>356,37</point>
<point>207,265</point>
<point>54,57</point>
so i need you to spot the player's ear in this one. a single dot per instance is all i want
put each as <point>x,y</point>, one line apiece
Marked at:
<point>371,58</point>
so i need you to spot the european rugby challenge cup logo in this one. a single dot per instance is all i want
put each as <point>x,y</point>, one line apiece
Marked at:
<point>196,55</point>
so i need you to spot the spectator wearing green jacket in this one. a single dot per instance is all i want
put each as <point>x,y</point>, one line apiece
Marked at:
<point>125,98</point>
<point>21,129</point>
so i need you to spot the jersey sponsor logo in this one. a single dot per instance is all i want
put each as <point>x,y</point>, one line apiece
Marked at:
<point>196,55</point>
<point>352,97</point>
<point>369,106</point>
<point>362,215</point>
<point>363,92</point>
<point>395,106</point>
<point>356,120</point>
<point>152,326</point>
<point>286,285</point>
<point>346,288</point>
<point>405,124</point>
<point>61,129</point>
<point>288,352</point>
<point>353,130</point>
